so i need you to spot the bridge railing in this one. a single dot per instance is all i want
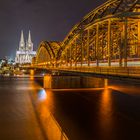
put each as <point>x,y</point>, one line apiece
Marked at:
<point>118,71</point>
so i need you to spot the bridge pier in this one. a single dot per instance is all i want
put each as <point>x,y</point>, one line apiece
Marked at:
<point>72,82</point>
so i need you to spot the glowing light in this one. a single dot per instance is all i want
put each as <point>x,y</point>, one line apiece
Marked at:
<point>31,77</point>
<point>31,72</point>
<point>106,111</point>
<point>42,95</point>
<point>106,83</point>
<point>47,81</point>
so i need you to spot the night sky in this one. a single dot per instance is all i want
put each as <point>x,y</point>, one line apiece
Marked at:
<point>49,20</point>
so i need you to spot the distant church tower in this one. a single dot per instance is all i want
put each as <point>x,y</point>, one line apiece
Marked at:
<point>29,44</point>
<point>22,42</point>
<point>25,53</point>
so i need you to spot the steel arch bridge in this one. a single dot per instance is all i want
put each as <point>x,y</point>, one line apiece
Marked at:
<point>107,36</point>
<point>47,52</point>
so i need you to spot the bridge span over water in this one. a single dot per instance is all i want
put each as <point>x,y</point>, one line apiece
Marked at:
<point>107,40</point>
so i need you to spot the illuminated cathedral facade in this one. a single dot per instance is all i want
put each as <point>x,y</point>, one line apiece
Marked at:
<point>25,52</point>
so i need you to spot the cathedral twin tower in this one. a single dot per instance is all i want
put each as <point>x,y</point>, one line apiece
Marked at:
<point>25,52</point>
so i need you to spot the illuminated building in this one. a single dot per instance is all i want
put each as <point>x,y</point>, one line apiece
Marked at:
<point>25,52</point>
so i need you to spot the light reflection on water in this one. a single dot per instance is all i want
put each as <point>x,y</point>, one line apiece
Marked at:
<point>106,113</point>
<point>31,77</point>
<point>108,96</point>
<point>42,95</point>
<point>97,108</point>
<point>49,124</point>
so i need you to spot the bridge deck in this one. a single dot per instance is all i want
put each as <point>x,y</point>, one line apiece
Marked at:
<point>115,71</point>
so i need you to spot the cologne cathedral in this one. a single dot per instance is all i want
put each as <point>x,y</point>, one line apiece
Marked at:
<point>25,53</point>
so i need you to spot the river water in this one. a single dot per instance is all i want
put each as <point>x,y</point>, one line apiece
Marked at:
<point>69,108</point>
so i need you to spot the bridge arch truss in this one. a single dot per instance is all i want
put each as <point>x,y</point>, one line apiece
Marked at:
<point>107,36</point>
<point>46,53</point>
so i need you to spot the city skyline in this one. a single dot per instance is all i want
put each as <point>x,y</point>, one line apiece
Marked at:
<point>45,19</point>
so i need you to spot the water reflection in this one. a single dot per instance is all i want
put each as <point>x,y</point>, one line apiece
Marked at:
<point>75,99</point>
<point>106,111</point>
<point>33,111</point>
<point>31,77</point>
<point>50,127</point>
<point>42,95</point>
<point>106,103</point>
<point>106,106</point>
<point>42,101</point>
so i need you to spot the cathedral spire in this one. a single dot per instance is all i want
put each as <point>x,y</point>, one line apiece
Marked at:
<point>22,37</point>
<point>29,37</point>
<point>22,43</point>
<point>29,44</point>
